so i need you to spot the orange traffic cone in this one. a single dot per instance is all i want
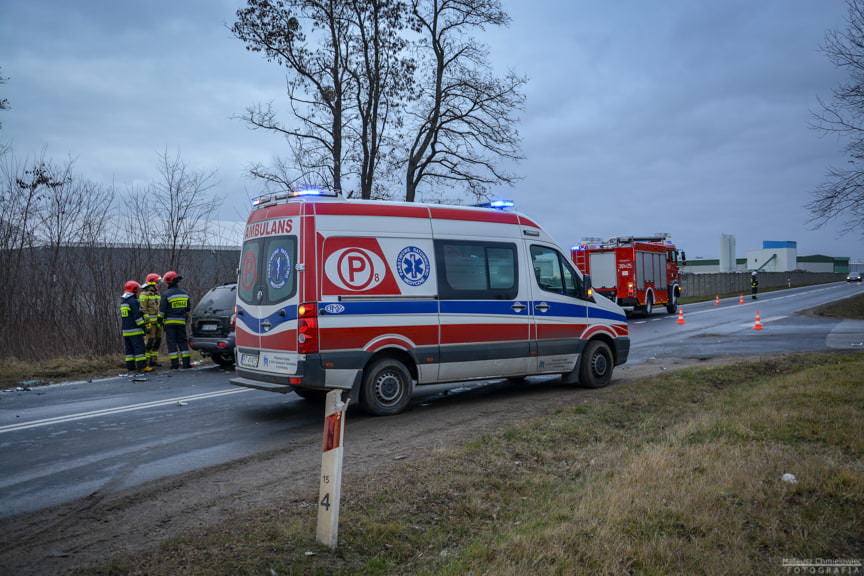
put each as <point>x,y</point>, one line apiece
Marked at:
<point>758,324</point>
<point>716,300</point>
<point>741,299</point>
<point>680,316</point>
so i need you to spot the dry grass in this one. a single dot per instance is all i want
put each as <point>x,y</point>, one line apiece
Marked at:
<point>679,474</point>
<point>15,372</point>
<point>852,307</point>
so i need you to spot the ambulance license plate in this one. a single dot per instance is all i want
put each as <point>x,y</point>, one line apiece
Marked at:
<point>248,360</point>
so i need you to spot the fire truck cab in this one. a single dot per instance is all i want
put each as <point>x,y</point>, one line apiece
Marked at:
<point>637,273</point>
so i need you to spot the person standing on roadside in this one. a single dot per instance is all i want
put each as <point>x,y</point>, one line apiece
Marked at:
<point>754,285</point>
<point>174,312</point>
<point>132,326</point>
<point>149,301</point>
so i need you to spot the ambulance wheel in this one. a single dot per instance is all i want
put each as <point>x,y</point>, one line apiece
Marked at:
<point>596,367</point>
<point>387,388</point>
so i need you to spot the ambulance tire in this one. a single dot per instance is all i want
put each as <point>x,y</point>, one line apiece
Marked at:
<point>387,388</point>
<point>595,370</point>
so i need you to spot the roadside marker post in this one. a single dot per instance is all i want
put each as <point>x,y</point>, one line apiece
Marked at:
<point>330,491</point>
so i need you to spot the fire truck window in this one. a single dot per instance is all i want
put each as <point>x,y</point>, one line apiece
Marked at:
<point>476,270</point>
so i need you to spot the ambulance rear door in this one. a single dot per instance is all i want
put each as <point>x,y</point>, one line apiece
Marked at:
<point>267,295</point>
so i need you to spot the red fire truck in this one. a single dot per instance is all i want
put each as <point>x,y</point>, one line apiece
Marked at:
<point>637,273</point>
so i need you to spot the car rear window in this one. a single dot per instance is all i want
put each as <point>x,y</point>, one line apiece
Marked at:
<point>220,298</point>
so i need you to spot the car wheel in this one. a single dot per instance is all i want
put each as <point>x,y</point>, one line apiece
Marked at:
<point>596,365</point>
<point>387,388</point>
<point>226,360</point>
<point>315,396</point>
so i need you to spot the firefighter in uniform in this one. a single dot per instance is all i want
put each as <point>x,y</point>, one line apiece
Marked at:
<point>149,301</point>
<point>173,312</point>
<point>754,285</point>
<point>132,325</point>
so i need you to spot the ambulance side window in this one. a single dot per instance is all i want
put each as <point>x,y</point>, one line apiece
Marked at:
<point>476,270</point>
<point>553,272</point>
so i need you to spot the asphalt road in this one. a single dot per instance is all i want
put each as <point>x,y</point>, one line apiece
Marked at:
<point>66,441</point>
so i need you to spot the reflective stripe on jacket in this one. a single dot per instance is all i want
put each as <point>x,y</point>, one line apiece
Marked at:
<point>149,300</point>
<point>131,320</point>
<point>174,307</point>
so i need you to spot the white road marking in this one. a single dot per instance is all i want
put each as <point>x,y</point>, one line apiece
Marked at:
<point>116,410</point>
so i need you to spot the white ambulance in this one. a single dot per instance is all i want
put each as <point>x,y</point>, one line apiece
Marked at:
<point>377,297</point>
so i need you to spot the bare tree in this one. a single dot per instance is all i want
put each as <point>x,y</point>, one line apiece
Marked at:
<point>4,102</point>
<point>52,220</point>
<point>316,83</point>
<point>172,213</point>
<point>463,123</point>
<point>842,194</point>
<point>348,74</point>
<point>382,80</point>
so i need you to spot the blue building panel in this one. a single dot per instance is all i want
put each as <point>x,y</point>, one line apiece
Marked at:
<point>779,244</point>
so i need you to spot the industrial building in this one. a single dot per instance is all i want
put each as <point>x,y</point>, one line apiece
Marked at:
<point>774,256</point>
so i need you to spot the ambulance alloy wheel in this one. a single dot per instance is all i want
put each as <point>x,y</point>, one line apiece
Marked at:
<point>596,366</point>
<point>387,388</point>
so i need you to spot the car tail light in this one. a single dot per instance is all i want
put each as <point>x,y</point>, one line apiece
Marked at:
<point>307,328</point>
<point>630,288</point>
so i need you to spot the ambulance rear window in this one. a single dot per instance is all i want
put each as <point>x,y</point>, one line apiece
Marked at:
<point>476,270</point>
<point>267,270</point>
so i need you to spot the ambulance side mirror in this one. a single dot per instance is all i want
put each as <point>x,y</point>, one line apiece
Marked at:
<point>587,289</point>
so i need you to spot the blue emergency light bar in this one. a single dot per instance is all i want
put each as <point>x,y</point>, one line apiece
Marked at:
<point>497,204</point>
<point>265,198</point>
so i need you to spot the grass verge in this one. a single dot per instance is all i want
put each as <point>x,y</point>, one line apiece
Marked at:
<point>852,307</point>
<point>15,372</point>
<point>678,474</point>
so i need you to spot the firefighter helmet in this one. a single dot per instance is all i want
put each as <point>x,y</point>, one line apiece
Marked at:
<point>171,277</point>
<point>152,279</point>
<point>132,287</point>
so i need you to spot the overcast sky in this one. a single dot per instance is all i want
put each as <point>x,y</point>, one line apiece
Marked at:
<point>675,116</point>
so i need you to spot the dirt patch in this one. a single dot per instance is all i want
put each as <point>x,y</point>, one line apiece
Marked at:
<point>92,530</point>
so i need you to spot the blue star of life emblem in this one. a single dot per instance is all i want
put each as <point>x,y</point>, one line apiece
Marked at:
<point>412,264</point>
